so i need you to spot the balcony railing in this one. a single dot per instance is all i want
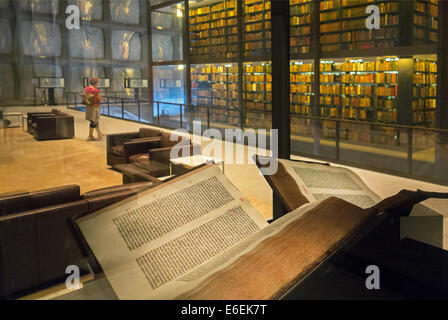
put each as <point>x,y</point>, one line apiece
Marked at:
<point>410,151</point>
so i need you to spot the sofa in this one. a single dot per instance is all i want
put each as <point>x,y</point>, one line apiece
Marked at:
<point>36,239</point>
<point>51,125</point>
<point>121,145</point>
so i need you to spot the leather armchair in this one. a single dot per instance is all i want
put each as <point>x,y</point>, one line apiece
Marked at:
<point>160,150</point>
<point>36,240</point>
<point>116,144</point>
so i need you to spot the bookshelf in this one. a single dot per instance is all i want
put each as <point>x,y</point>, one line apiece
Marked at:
<point>214,30</point>
<point>424,91</point>
<point>342,25</point>
<point>216,85</point>
<point>257,92</point>
<point>425,21</point>
<point>257,28</point>
<point>301,24</point>
<point>359,89</point>
<point>301,79</point>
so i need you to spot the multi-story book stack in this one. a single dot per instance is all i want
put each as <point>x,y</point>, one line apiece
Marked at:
<point>213,30</point>
<point>343,25</point>
<point>424,92</point>
<point>216,85</point>
<point>425,21</point>
<point>301,18</point>
<point>257,27</point>
<point>257,93</point>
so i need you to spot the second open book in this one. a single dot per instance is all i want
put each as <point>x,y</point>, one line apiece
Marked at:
<point>197,236</point>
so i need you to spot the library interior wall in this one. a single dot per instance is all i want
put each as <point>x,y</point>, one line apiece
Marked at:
<point>112,42</point>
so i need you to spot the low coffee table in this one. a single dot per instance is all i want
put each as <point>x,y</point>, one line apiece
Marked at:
<point>18,117</point>
<point>194,161</point>
<point>141,172</point>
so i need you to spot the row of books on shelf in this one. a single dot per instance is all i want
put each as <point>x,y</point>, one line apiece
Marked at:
<point>425,118</point>
<point>214,24</point>
<point>346,101</point>
<point>210,69</point>
<point>214,33</point>
<point>304,67</point>
<point>425,78</point>
<point>430,8</point>
<point>253,6</point>
<point>429,22</point>
<point>425,66</point>
<point>259,26</point>
<point>301,77</point>
<point>215,77</point>
<point>257,105</point>
<point>347,90</point>
<point>218,91</point>
<point>301,109</point>
<point>252,96</point>
<point>300,99</point>
<point>256,46</point>
<point>257,87</point>
<point>301,31</point>
<point>258,68</point>
<point>425,91</point>
<point>214,101</point>
<point>298,21</point>
<point>418,104</point>
<point>301,88</point>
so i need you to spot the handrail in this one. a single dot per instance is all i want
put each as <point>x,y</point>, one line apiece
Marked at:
<point>178,119</point>
<point>292,114</point>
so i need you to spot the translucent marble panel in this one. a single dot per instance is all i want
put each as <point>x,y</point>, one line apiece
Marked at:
<point>126,46</point>
<point>154,2</point>
<point>118,76</point>
<point>161,20</point>
<point>7,83</point>
<point>125,11</point>
<point>40,39</point>
<point>4,4</point>
<point>40,6</point>
<point>87,43</point>
<point>162,47</point>
<point>90,9</point>
<point>6,36</point>
<point>28,81</point>
<point>78,74</point>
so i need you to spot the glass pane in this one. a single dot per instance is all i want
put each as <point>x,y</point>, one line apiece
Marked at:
<point>169,83</point>
<point>424,152</point>
<point>301,135</point>
<point>6,38</point>
<point>375,146</point>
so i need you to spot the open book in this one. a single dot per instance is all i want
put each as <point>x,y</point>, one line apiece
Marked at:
<point>197,237</point>
<point>147,242</point>
<point>317,181</point>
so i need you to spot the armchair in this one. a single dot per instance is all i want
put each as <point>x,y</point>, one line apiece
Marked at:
<point>160,151</point>
<point>115,144</point>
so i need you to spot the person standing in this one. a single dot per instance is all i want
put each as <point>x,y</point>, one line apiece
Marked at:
<point>92,100</point>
